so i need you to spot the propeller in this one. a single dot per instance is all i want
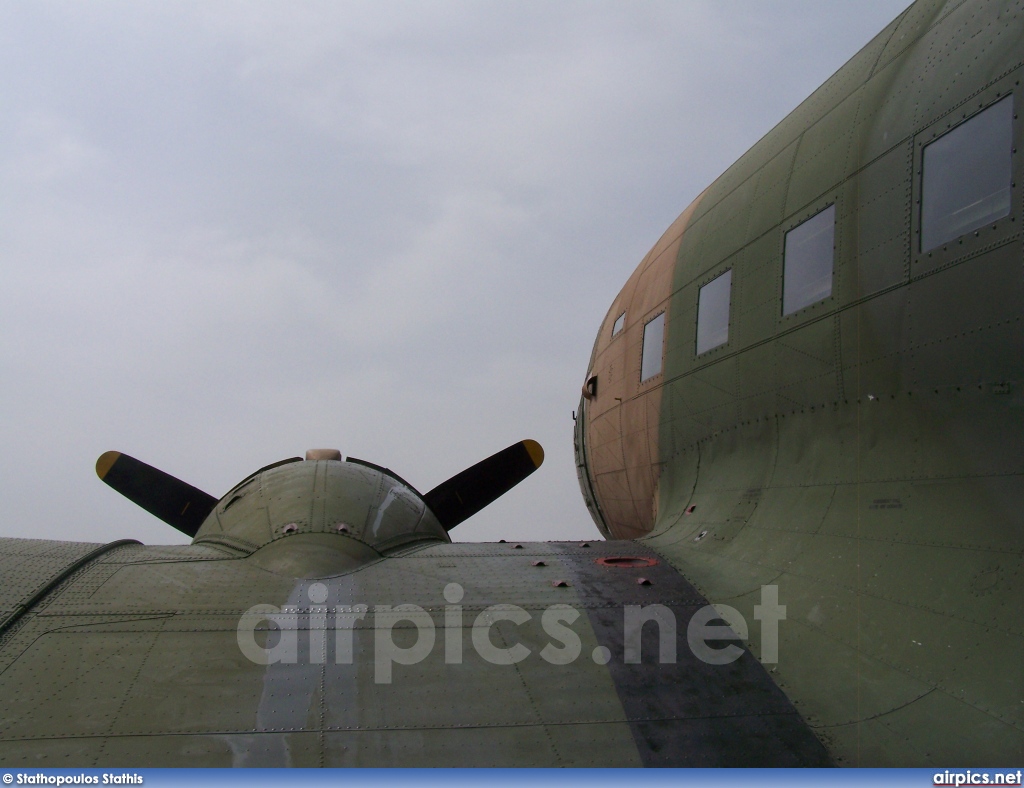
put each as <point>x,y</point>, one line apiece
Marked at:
<point>468,492</point>
<point>185,507</point>
<point>177,503</point>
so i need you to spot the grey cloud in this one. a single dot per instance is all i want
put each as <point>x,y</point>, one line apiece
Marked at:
<point>230,232</point>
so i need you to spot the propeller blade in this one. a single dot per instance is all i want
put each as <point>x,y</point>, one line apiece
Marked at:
<point>172,500</point>
<point>468,492</point>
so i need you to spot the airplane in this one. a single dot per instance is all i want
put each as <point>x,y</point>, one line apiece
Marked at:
<point>798,435</point>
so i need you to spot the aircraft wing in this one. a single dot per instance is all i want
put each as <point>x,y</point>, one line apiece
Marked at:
<point>514,654</point>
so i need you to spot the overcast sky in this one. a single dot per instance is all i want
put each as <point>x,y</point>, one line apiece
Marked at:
<point>230,232</point>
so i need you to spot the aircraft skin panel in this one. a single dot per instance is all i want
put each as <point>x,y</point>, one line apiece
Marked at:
<point>913,564</point>
<point>670,709</point>
<point>863,452</point>
<point>27,566</point>
<point>142,653</point>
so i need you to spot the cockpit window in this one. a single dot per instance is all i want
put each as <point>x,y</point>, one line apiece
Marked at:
<point>713,313</point>
<point>620,321</point>
<point>967,174</point>
<point>807,270</point>
<point>654,336</point>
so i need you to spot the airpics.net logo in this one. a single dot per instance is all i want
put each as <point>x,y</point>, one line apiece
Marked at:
<point>302,635</point>
<point>968,777</point>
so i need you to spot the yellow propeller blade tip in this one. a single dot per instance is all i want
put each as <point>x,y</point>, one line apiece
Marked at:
<point>106,462</point>
<point>535,451</point>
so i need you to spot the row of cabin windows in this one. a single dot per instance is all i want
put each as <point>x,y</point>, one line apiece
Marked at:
<point>966,184</point>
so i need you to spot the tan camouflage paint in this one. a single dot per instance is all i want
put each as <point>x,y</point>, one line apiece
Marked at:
<point>622,419</point>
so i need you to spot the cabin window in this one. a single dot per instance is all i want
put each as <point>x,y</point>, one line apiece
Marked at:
<point>620,321</point>
<point>967,176</point>
<point>654,336</point>
<point>807,270</point>
<point>713,313</point>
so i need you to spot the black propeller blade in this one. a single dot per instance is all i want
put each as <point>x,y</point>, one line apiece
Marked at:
<point>184,507</point>
<point>172,500</point>
<point>468,492</point>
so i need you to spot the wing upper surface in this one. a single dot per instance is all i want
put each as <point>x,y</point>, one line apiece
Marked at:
<point>166,621</point>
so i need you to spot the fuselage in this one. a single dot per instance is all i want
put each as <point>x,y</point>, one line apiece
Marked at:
<point>814,381</point>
